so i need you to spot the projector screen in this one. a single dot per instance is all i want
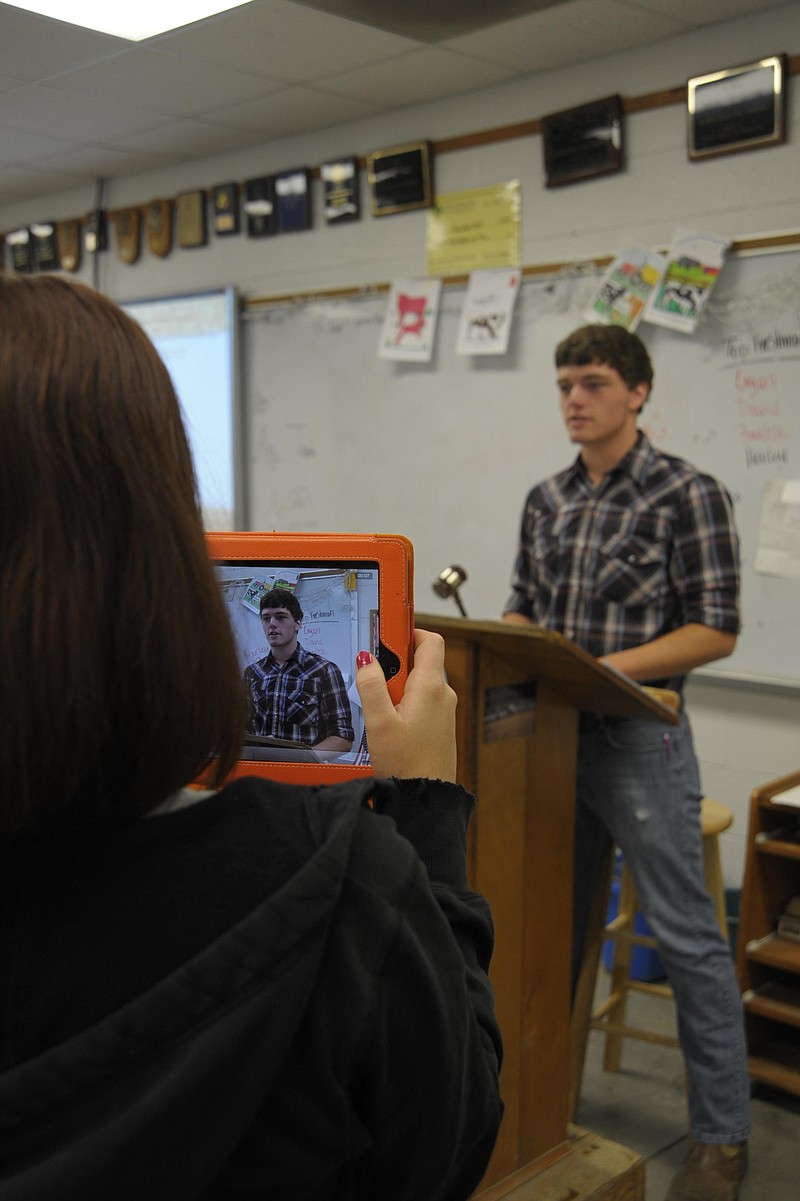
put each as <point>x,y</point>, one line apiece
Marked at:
<point>196,336</point>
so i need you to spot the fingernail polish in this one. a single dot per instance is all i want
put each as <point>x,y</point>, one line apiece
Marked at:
<point>363,658</point>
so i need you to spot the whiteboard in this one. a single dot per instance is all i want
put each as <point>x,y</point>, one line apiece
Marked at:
<point>196,337</point>
<point>445,452</point>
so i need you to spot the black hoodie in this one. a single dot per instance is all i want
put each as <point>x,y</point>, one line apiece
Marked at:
<point>269,993</point>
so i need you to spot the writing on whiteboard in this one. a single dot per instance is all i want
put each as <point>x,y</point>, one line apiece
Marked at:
<point>738,348</point>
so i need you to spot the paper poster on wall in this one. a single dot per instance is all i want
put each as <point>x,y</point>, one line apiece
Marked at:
<point>409,326</point>
<point>778,550</point>
<point>694,263</point>
<point>626,287</point>
<point>473,229</point>
<point>484,326</point>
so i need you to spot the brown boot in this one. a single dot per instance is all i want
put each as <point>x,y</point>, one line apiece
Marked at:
<point>711,1173</point>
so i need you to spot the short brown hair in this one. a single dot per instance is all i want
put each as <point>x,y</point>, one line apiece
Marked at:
<point>610,344</point>
<point>119,678</point>
<point>280,598</point>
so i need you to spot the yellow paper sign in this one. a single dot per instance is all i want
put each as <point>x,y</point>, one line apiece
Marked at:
<point>476,228</point>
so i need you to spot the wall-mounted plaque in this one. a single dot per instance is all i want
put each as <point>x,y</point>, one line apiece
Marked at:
<point>68,241</point>
<point>341,198</point>
<point>158,223</point>
<point>737,109</point>
<point>226,209</point>
<point>45,251</point>
<point>259,207</point>
<point>582,142</point>
<point>95,235</point>
<point>400,179</point>
<point>192,222</point>
<point>19,242</point>
<point>293,198</point>
<point>128,225</point>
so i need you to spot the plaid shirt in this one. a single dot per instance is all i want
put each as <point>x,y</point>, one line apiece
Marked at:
<point>301,700</point>
<point>652,549</point>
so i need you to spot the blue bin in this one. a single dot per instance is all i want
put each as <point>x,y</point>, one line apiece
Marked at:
<point>645,961</point>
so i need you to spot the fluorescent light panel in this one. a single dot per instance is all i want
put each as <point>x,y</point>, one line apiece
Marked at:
<point>136,20</point>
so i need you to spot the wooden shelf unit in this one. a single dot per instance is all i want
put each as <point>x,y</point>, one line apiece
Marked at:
<point>768,964</point>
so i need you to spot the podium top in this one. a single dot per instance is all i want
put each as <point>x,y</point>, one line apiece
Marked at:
<point>551,658</point>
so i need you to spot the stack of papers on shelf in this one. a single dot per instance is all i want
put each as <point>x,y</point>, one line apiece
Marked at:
<point>790,797</point>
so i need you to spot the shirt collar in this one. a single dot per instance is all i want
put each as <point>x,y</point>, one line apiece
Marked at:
<point>298,655</point>
<point>636,463</point>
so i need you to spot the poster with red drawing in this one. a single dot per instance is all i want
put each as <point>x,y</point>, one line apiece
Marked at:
<point>409,326</point>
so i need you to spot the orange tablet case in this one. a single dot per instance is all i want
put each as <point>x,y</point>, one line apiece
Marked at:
<point>394,556</point>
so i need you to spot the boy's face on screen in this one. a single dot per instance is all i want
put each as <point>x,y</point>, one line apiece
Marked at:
<point>281,629</point>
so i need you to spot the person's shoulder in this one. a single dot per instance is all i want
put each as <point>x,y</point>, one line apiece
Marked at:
<point>260,816</point>
<point>310,659</point>
<point>252,803</point>
<point>684,473</point>
<point>258,666</point>
<point>549,490</point>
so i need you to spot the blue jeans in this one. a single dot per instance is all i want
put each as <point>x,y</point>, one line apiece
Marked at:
<point>638,782</point>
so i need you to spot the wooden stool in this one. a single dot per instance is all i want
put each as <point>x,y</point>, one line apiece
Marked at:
<point>610,1016</point>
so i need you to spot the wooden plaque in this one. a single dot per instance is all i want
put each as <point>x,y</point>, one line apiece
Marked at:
<point>158,222</point>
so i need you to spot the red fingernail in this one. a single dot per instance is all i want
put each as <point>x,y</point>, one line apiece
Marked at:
<point>363,658</point>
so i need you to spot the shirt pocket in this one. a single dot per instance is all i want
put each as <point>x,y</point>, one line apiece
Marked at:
<point>633,564</point>
<point>302,709</point>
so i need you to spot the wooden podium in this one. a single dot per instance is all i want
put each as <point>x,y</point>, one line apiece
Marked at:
<point>520,690</point>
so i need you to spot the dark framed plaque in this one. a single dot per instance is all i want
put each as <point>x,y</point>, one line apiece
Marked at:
<point>400,179</point>
<point>192,220</point>
<point>45,251</point>
<point>259,207</point>
<point>293,199</point>
<point>158,224</point>
<point>582,142</point>
<point>226,209</point>
<point>341,197</point>
<point>21,247</point>
<point>737,109</point>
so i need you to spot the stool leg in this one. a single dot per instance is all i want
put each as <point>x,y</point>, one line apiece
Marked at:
<point>621,970</point>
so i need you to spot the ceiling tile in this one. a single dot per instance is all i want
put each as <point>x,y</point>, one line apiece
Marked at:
<point>697,14</point>
<point>572,33</point>
<point>33,47</point>
<point>17,147</point>
<point>188,140</point>
<point>163,82</point>
<point>284,41</point>
<point>102,161</point>
<point>431,22</point>
<point>292,111</point>
<point>50,112</point>
<point>417,76</point>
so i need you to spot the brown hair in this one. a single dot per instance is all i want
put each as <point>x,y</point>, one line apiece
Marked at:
<point>119,675</point>
<point>281,598</point>
<point>610,344</point>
